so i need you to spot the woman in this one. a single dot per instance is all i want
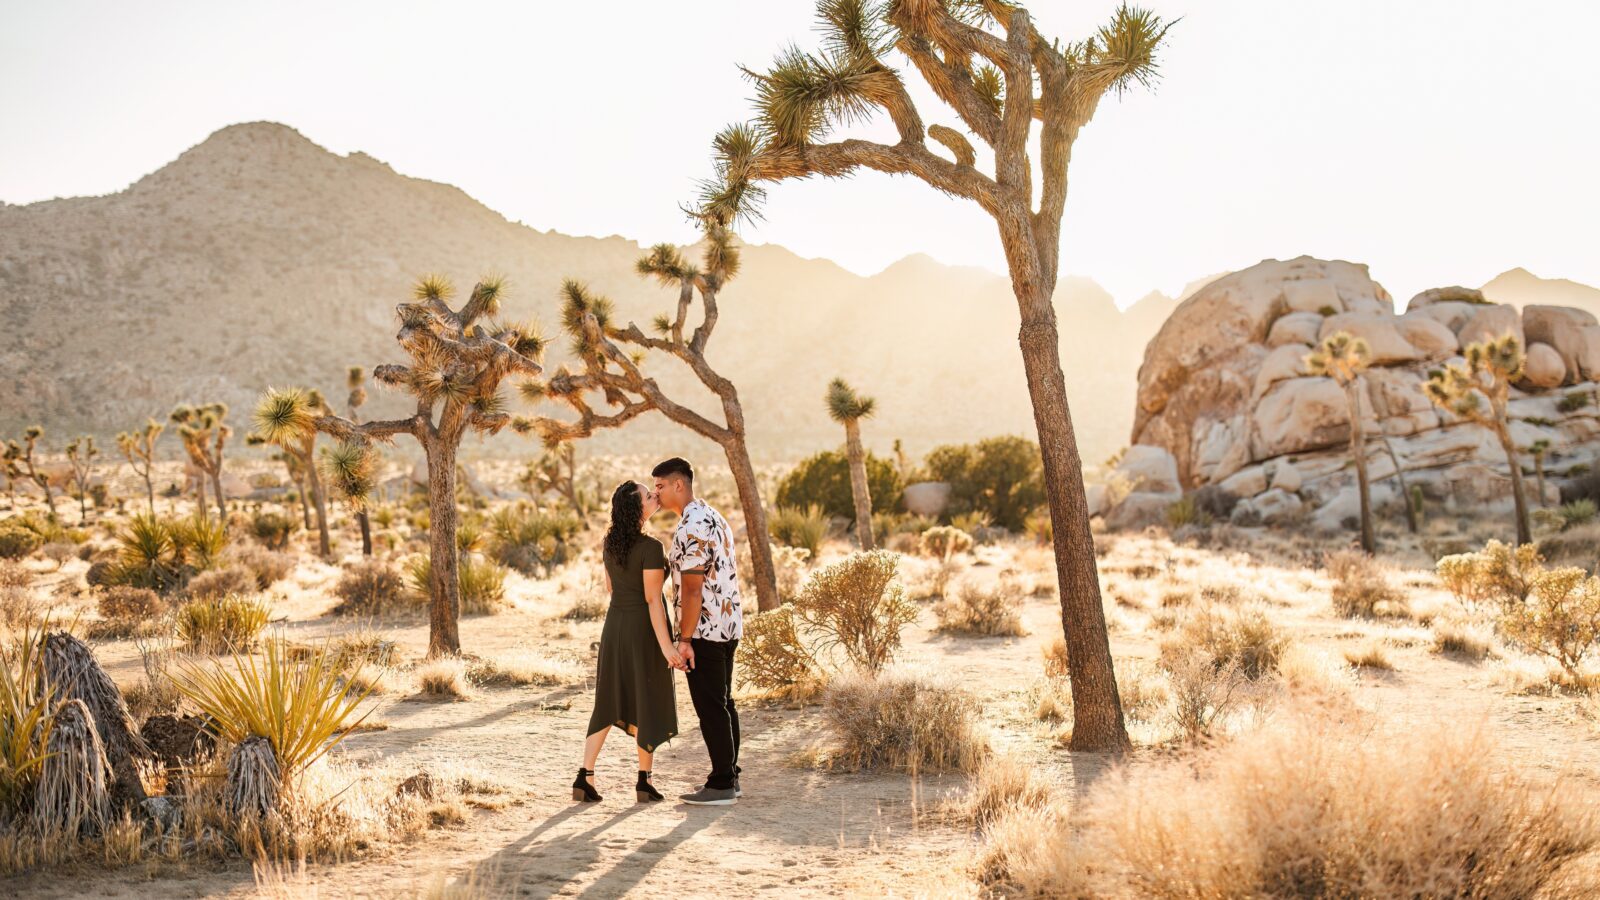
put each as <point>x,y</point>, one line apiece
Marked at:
<point>633,684</point>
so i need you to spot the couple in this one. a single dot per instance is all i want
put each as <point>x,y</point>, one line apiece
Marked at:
<point>633,680</point>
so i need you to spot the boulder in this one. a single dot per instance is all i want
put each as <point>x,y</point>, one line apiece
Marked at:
<point>1246,482</point>
<point>1221,448</point>
<point>1095,495</point>
<point>1491,323</point>
<point>926,498</point>
<point>1149,469</point>
<point>1452,294</point>
<point>1299,414</point>
<point>1544,368</point>
<point>1450,315</point>
<point>1571,332</point>
<point>1379,331</point>
<point>1314,295</point>
<point>1431,338</point>
<point>1283,363</point>
<point>1285,477</point>
<point>1295,328</point>
<point>1271,508</point>
<point>1139,509</point>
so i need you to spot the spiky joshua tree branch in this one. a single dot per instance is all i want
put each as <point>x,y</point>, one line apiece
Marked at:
<point>617,375</point>
<point>205,434</point>
<point>1486,374</point>
<point>458,359</point>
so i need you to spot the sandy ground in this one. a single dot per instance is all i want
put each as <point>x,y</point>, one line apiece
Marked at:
<point>798,831</point>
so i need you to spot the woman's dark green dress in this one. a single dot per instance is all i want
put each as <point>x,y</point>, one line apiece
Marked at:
<point>633,683</point>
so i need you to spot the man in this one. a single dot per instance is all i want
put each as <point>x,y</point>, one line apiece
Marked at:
<point>710,623</point>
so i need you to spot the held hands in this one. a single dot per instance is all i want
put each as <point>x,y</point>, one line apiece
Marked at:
<point>674,660</point>
<point>686,650</point>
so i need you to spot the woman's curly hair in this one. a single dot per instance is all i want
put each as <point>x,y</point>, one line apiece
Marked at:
<point>627,522</point>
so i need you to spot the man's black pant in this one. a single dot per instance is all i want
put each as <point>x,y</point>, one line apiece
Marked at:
<point>711,688</point>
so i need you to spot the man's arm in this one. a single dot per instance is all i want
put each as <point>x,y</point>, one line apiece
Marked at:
<point>690,597</point>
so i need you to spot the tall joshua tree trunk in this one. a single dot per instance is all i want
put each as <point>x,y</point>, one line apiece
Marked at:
<point>755,515</point>
<point>305,503</point>
<point>1358,453</point>
<point>1400,475</point>
<point>444,636</point>
<point>859,491</point>
<point>1519,495</point>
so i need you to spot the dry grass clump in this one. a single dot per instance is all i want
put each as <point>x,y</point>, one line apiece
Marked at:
<point>1004,783</point>
<point>1313,671</point>
<point>221,624</point>
<point>1245,638</point>
<point>220,583</point>
<point>1361,586</point>
<point>902,721</point>
<point>155,693</point>
<point>266,566</point>
<point>15,574</point>
<point>372,587</point>
<point>1309,807</point>
<point>986,611</point>
<point>587,608</point>
<point>1203,693</point>
<point>444,678</point>
<point>524,667</point>
<point>1455,637</point>
<point>1370,655</point>
<point>483,583</point>
<point>18,607</point>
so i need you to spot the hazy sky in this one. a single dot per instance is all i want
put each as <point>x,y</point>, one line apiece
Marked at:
<point>1440,141</point>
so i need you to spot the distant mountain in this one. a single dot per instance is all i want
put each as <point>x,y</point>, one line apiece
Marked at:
<point>258,258</point>
<point>1520,288</point>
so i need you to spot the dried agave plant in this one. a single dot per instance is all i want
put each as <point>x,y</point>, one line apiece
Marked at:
<point>255,783</point>
<point>70,670</point>
<point>72,793</point>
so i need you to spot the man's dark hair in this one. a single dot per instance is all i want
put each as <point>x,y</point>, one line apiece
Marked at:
<point>674,466</point>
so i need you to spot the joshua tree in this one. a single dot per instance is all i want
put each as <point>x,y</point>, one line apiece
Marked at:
<point>1490,368</point>
<point>81,455</point>
<point>587,318</point>
<point>1537,450</point>
<point>24,452</point>
<point>1412,525</point>
<point>459,357</point>
<point>557,470</point>
<point>287,418</point>
<point>11,471</point>
<point>1343,357</point>
<point>988,64</point>
<point>140,449</point>
<point>356,381</point>
<point>204,434</point>
<point>848,408</point>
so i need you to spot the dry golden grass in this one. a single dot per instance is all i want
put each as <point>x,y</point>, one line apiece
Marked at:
<point>1003,783</point>
<point>1362,586</point>
<point>1370,655</point>
<point>900,720</point>
<point>1306,807</point>
<point>1246,638</point>
<point>986,611</point>
<point>1456,637</point>
<point>444,678</point>
<point>525,667</point>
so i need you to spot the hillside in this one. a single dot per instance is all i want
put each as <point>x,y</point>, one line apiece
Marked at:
<point>1520,288</point>
<point>258,258</point>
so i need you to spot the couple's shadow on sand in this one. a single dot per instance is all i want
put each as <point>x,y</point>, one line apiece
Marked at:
<point>530,867</point>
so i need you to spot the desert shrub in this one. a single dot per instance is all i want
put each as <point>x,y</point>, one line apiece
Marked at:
<point>220,582</point>
<point>773,656</point>
<point>1186,511</point>
<point>1055,659</point>
<point>1561,618</point>
<point>901,721</point>
<point>1245,638</point>
<point>17,540</point>
<point>483,583</point>
<point>126,608</point>
<point>1001,476</point>
<point>1005,782</point>
<point>1309,807</point>
<point>1459,638</point>
<point>1041,528</point>
<point>267,566</point>
<point>1202,691</point>
<point>587,608</point>
<point>792,565</point>
<point>272,528</point>
<point>856,606</point>
<point>990,611</point>
<point>59,552</point>
<point>1361,585</point>
<point>1572,401</point>
<point>1578,512</point>
<point>18,607</point>
<point>530,541</point>
<point>1498,575</point>
<point>371,587</point>
<point>228,624</point>
<point>944,542</point>
<point>977,523</point>
<point>155,693</point>
<point>802,528</point>
<point>1370,655</point>
<point>199,540</point>
<point>823,480</point>
<point>302,706</point>
<point>443,677</point>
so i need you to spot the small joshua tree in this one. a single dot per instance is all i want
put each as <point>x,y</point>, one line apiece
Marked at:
<point>1490,368</point>
<point>1343,358</point>
<point>1537,450</point>
<point>617,375</point>
<point>459,357</point>
<point>139,447</point>
<point>848,408</point>
<point>205,434</point>
<point>287,418</point>
<point>557,470</point>
<point>81,455</point>
<point>356,381</point>
<point>12,470</point>
<point>24,453</point>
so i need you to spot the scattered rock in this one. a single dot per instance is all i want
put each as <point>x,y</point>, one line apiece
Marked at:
<point>1491,323</point>
<point>420,784</point>
<point>164,811</point>
<point>926,498</point>
<point>1544,368</point>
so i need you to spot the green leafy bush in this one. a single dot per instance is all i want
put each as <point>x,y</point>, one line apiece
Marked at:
<point>1001,476</point>
<point>272,528</point>
<point>17,540</point>
<point>824,480</point>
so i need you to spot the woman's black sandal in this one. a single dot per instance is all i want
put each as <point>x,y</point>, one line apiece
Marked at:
<point>644,791</point>
<point>582,789</point>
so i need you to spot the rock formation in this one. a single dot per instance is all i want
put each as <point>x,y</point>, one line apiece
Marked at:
<point>1224,399</point>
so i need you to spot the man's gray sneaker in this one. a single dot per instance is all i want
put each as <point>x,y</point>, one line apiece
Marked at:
<point>737,790</point>
<point>711,797</point>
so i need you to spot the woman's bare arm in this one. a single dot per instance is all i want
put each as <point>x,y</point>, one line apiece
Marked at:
<point>653,581</point>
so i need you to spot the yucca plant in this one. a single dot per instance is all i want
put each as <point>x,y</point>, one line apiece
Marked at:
<point>1578,512</point>
<point>612,358</point>
<point>139,447</point>
<point>199,541</point>
<point>531,541</point>
<point>805,528</point>
<point>991,66</point>
<point>1343,358</point>
<point>226,624</point>
<point>1487,373</point>
<point>25,720</point>
<point>286,418</point>
<point>848,408</point>
<point>1538,449</point>
<point>303,704</point>
<point>483,583</point>
<point>204,432</point>
<point>147,556</point>
<point>459,358</point>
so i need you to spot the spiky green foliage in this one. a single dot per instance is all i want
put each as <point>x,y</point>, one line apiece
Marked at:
<point>285,415</point>
<point>1487,373</point>
<point>1341,356</point>
<point>226,624</point>
<point>304,704</point>
<point>352,471</point>
<point>845,405</point>
<point>25,720</point>
<point>578,302</point>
